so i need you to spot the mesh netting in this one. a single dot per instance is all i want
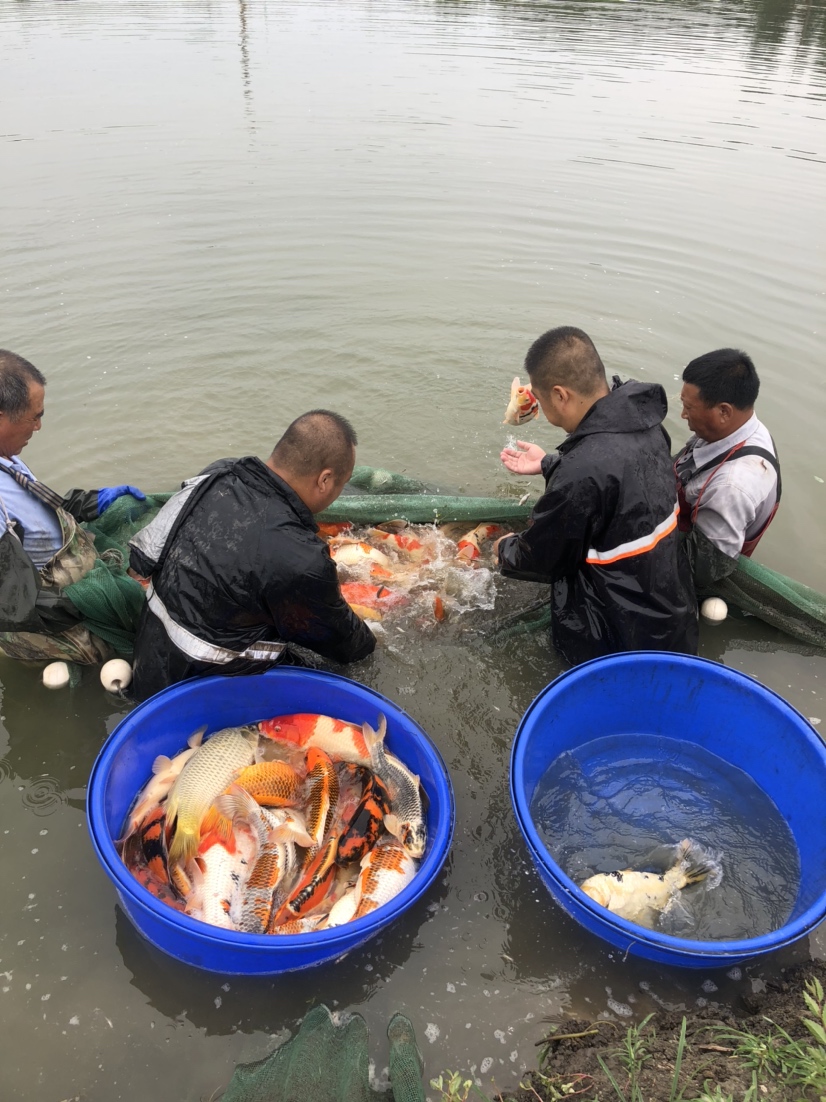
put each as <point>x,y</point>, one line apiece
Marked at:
<point>777,600</point>
<point>109,601</point>
<point>327,1061</point>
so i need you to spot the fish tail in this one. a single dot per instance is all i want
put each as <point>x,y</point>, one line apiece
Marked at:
<point>184,844</point>
<point>698,863</point>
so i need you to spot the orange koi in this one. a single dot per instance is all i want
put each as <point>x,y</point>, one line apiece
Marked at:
<point>371,596</point>
<point>469,546</point>
<point>271,784</point>
<point>322,793</point>
<point>342,741</point>
<point>438,608</point>
<point>329,529</point>
<point>364,828</point>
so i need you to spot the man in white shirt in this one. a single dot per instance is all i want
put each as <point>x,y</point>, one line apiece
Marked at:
<point>42,547</point>
<point>728,476</point>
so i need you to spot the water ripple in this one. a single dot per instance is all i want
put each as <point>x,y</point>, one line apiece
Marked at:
<point>43,796</point>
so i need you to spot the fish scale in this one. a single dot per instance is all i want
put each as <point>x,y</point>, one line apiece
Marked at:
<point>385,871</point>
<point>207,773</point>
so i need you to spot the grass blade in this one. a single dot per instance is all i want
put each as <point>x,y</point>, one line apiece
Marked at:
<point>678,1062</point>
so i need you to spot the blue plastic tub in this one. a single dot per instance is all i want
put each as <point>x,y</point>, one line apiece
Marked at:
<point>700,702</point>
<point>162,725</point>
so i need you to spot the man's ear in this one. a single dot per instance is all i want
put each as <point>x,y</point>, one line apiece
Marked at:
<point>726,411</point>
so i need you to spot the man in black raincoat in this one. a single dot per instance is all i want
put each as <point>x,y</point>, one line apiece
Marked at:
<point>239,570</point>
<point>604,533</point>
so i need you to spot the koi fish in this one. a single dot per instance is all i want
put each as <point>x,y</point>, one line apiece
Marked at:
<point>202,779</point>
<point>470,545</point>
<point>406,818</point>
<point>271,784</point>
<point>362,833</point>
<point>353,553</point>
<point>371,596</point>
<point>145,846</point>
<point>219,876</point>
<point>312,888</point>
<point>322,794</point>
<point>642,896</point>
<point>165,770</point>
<point>385,870</point>
<point>304,925</point>
<point>407,546</point>
<point>333,529</point>
<point>522,407</point>
<point>341,741</point>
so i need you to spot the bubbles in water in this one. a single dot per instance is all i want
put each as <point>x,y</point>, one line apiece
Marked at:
<point>734,974</point>
<point>622,1009</point>
<point>486,1065</point>
<point>432,1031</point>
<point>709,986</point>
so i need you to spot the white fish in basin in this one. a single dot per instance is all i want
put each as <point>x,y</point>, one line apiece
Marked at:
<point>642,897</point>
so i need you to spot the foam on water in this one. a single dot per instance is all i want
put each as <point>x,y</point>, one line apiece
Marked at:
<point>624,801</point>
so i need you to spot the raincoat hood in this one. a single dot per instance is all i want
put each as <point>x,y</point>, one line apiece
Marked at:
<point>628,407</point>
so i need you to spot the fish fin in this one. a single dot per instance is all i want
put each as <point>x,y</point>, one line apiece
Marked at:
<point>699,863</point>
<point>196,738</point>
<point>392,824</point>
<point>161,763</point>
<point>217,822</point>
<point>184,845</point>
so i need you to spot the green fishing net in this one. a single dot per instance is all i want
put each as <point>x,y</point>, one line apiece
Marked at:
<point>109,601</point>
<point>327,1061</point>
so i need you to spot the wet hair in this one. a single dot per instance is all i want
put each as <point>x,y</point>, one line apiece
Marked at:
<point>16,378</point>
<point>316,441</point>
<point>565,357</point>
<point>727,375</point>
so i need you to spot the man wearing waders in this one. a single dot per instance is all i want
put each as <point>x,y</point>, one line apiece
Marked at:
<point>237,570</point>
<point>604,533</point>
<point>42,547</point>
<point>728,477</point>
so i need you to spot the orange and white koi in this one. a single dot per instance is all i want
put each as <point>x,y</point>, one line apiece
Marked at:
<point>354,552</point>
<point>407,546</point>
<point>470,545</point>
<point>165,771</point>
<point>406,819</point>
<point>326,528</point>
<point>203,777</point>
<point>342,741</point>
<point>219,876</point>
<point>304,925</point>
<point>385,871</point>
<point>522,407</point>
<point>378,597</point>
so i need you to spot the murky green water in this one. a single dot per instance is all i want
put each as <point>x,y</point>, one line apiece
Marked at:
<point>218,215</point>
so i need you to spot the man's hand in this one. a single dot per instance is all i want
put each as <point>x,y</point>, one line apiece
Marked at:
<point>527,460</point>
<point>111,493</point>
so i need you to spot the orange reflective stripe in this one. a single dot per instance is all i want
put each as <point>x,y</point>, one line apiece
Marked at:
<point>634,547</point>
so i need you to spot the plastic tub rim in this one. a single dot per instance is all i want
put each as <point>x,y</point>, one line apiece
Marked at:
<point>431,864</point>
<point>741,947</point>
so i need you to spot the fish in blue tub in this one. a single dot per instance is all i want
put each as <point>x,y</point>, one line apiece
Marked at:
<point>643,897</point>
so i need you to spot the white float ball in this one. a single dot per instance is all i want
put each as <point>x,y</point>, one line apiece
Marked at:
<point>115,675</point>
<point>714,609</point>
<point>56,675</point>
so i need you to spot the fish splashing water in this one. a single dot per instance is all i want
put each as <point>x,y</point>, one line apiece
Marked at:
<point>643,897</point>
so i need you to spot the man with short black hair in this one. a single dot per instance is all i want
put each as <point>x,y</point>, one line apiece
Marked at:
<point>604,533</point>
<point>237,569</point>
<point>728,476</point>
<point>42,548</point>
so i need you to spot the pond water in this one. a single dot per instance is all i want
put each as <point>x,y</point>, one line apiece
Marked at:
<point>219,214</point>
<point>623,802</point>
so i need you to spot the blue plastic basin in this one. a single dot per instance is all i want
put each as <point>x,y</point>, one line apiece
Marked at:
<point>162,725</point>
<point>697,701</point>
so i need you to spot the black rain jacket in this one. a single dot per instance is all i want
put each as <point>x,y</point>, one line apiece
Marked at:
<point>604,534</point>
<point>24,604</point>
<point>244,563</point>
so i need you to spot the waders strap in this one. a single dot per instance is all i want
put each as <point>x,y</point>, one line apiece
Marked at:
<point>37,489</point>
<point>200,651</point>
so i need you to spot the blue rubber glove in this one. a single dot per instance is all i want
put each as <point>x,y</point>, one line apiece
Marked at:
<point>111,493</point>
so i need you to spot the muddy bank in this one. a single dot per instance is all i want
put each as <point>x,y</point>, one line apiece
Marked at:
<point>715,1065</point>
